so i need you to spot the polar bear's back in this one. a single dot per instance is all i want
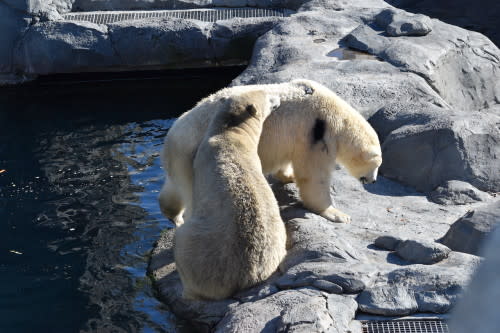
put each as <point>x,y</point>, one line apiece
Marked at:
<point>235,237</point>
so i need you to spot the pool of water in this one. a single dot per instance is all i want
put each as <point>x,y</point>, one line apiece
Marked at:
<point>79,179</point>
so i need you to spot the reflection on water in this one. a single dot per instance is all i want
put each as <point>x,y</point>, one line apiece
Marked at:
<point>78,207</point>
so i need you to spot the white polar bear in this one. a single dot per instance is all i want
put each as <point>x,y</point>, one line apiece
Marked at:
<point>301,141</point>
<point>235,237</point>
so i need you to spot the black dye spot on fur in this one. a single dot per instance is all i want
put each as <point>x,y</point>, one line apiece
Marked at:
<point>251,110</point>
<point>318,134</point>
<point>318,131</point>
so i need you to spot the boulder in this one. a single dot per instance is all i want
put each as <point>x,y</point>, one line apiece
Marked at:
<point>169,41</point>
<point>400,23</point>
<point>469,232</point>
<point>387,301</point>
<point>422,251</point>
<point>387,242</point>
<point>455,192</point>
<point>61,46</point>
<point>447,147</point>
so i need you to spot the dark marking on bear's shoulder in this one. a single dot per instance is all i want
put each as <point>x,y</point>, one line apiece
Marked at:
<point>318,134</point>
<point>251,110</point>
<point>318,131</point>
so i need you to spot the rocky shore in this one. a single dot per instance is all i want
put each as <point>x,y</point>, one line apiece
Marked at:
<point>431,91</point>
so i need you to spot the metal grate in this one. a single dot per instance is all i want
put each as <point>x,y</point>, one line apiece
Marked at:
<point>207,15</point>
<point>405,326</point>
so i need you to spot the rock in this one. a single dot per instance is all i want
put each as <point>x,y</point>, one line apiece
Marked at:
<point>387,301</point>
<point>313,239</point>
<point>63,6</point>
<point>469,232</point>
<point>169,41</point>
<point>387,242</point>
<point>256,293</point>
<point>290,309</point>
<point>419,288</point>
<point>366,39</point>
<point>46,11</point>
<point>455,192</point>
<point>51,47</point>
<point>482,17</point>
<point>234,39</point>
<point>477,310</point>
<point>311,316</point>
<point>401,23</point>
<point>344,274</point>
<point>460,147</point>
<point>342,309</point>
<point>328,286</point>
<point>422,251</point>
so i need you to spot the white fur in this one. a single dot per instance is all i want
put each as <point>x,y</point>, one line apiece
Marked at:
<point>286,147</point>
<point>235,237</point>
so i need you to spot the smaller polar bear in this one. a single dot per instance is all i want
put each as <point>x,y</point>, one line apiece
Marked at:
<point>235,237</point>
<point>301,141</point>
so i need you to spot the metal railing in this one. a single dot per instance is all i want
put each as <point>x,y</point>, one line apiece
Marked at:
<point>207,15</point>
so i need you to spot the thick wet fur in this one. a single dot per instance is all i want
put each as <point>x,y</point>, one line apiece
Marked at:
<point>235,237</point>
<point>301,141</point>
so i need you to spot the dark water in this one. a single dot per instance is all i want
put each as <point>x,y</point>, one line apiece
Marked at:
<point>79,178</point>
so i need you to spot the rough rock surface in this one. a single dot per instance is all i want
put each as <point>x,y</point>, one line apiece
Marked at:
<point>469,232</point>
<point>401,23</point>
<point>50,47</point>
<point>422,251</point>
<point>329,259</point>
<point>455,192</point>
<point>437,119</point>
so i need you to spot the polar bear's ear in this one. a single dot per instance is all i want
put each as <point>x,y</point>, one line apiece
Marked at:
<point>274,102</point>
<point>251,110</point>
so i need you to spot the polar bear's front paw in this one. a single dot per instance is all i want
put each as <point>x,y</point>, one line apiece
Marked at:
<point>335,215</point>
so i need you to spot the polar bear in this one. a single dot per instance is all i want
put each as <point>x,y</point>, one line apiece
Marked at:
<point>235,237</point>
<point>301,141</point>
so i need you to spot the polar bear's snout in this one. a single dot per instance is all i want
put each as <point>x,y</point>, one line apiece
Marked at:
<point>370,178</point>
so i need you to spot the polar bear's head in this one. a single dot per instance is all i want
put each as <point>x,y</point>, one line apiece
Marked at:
<point>364,165</point>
